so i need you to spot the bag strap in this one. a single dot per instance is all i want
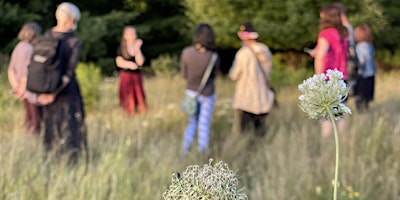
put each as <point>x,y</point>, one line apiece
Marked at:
<point>259,65</point>
<point>207,73</point>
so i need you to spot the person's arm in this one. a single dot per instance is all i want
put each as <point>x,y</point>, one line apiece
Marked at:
<point>12,79</point>
<point>266,60</point>
<point>19,87</point>
<point>217,67</point>
<point>320,51</point>
<point>235,71</point>
<point>139,58</point>
<point>22,87</point>
<point>362,53</point>
<point>70,72</point>
<point>125,64</point>
<point>182,65</point>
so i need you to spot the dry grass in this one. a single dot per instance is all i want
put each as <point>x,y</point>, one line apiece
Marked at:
<point>133,158</point>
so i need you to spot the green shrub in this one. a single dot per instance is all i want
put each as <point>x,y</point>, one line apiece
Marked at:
<point>388,60</point>
<point>1,97</point>
<point>107,66</point>
<point>165,65</point>
<point>4,86</point>
<point>281,75</point>
<point>89,77</point>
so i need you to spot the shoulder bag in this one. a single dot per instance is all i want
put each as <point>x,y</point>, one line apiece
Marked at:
<point>190,105</point>
<point>270,93</point>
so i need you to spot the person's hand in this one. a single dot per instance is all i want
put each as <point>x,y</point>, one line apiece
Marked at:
<point>45,99</point>
<point>138,43</point>
<point>18,93</point>
<point>133,66</point>
<point>311,52</point>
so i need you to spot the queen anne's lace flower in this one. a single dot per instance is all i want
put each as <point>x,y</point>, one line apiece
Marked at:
<point>210,182</point>
<point>322,92</point>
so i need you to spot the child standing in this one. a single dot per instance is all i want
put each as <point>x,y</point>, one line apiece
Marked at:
<point>364,90</point>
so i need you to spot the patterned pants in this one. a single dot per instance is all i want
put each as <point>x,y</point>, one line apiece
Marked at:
<point>201,123</point>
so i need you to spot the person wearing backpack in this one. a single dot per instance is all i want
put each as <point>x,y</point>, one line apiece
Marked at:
<point>352,63</point>
<point>63,116</point>
<point>17,75</point>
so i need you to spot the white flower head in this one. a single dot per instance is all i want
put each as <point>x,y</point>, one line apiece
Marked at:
<point>209,182</point>
<point>322,92</point>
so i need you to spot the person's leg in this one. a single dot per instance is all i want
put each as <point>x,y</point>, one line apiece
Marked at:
<point>326,127</point>
<point>190,132</point>
<point>205,115</point>
<point>245,119</point>
<point>369,93</point>
<point>52,125</point>
<point>139,94</point>
<point>259,124</point>
<point>35,118</point>
<point>27,117</point>
<point>126,97</point>
<point>362,105</point>
<point>76,129</point>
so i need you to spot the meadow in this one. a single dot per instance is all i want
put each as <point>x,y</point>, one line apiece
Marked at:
<point>133,158</point>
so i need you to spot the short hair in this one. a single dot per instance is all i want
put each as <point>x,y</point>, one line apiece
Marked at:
<point>204,35</point>
<point>66,11</point>
<point>29,32</point>
<point>362,33</point>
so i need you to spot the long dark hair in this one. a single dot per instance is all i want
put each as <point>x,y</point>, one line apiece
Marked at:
<point>124,49</point>
<point>330,18</point>
<point>204,35</point>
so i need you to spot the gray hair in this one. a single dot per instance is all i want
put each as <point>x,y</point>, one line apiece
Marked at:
<point>66,11</point>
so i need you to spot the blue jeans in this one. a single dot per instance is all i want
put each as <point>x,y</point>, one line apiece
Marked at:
<point>200,122</point>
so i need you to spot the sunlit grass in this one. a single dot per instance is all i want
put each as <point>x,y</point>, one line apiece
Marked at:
<point>133,158</point>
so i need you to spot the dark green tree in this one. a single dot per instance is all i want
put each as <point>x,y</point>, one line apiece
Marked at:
<point>284,25</point>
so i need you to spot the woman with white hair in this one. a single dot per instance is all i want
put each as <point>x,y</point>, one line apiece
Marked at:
<point>64,115</point>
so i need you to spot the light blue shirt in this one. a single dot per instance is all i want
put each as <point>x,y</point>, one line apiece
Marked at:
<point>365,53</point>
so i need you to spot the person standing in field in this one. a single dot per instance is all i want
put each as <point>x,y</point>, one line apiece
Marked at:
<point>129,61</point>
<point>352,60</point>
<point>193,64</point>
<point>64,116</point>
<point>17,75</point>
<point>330,52</point>
<point>251,70</point>
<point>364,90</point>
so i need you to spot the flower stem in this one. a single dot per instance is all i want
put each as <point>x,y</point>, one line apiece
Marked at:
<point>337,152</point>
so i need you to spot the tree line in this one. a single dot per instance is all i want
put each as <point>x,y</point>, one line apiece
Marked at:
<point>166,26</point>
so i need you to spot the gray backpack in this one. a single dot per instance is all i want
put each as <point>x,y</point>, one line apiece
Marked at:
<point>44,70</point>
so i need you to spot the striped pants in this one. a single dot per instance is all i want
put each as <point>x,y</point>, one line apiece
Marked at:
<point>200,123</point>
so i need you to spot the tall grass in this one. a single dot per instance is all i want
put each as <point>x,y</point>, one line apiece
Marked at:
<point>133,158</point>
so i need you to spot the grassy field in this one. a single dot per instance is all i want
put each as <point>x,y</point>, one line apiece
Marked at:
<point>133,158</point>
